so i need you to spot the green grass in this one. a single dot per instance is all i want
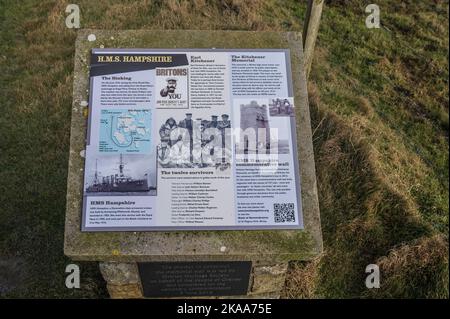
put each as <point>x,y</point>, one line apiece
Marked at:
<point>379,104</point>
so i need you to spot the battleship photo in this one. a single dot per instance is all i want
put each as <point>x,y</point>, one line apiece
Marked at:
<point>110,180</point>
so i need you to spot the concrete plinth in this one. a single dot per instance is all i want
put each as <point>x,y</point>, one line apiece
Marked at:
<point>119,252</point>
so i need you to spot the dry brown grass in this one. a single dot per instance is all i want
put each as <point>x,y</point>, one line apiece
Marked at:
<point>301,280</point>
<point>393,164</point>
<point>365,210</point>
<point>422,260</point>
<point>421,252</point>
<point>183,14</point>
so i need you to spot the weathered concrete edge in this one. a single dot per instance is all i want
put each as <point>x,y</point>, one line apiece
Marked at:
<point>79,84</point>
<point>306,153</point>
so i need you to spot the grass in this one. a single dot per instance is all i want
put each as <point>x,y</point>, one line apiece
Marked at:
<point>379,104</point>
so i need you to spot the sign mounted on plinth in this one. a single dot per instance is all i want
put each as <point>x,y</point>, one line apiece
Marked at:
<point>191,139</point>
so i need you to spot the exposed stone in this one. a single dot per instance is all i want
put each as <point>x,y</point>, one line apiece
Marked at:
<point>268,279</point>
<point>278,269</point>
<point>131,291</point>
<point>119,273</point>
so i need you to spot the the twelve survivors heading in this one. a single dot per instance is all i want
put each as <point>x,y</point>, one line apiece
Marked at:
<point>135,58</point>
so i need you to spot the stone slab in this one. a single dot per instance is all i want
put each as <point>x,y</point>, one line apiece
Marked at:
<point>259,246</point>
<point>268,279</point>
<point>129,291</point>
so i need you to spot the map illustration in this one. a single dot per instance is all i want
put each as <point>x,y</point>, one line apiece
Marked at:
<point>125,131</point>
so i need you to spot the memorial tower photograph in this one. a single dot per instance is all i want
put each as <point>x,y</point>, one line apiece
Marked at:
<point>254,118</point>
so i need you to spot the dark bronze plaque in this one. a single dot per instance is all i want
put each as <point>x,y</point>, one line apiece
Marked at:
<point>175,279</point>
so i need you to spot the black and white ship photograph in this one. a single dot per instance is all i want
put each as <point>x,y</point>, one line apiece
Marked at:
<point>121,175</point>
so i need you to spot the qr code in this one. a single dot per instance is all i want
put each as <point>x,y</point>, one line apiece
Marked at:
<point>284,213</point>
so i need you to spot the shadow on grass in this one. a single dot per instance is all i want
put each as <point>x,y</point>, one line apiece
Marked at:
<point>363,220</point>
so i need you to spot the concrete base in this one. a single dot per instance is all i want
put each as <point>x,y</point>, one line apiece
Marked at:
<point>268,250</point>
<point>123,281</point>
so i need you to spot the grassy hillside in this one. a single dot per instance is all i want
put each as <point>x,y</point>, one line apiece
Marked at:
<point>379,104</point>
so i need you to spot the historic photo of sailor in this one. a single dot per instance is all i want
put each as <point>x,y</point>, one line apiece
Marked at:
<point>195,142</point>
<point>282,107</point>
<point>120,175</point>
<point>172,88</point>
<point>260,133</point>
